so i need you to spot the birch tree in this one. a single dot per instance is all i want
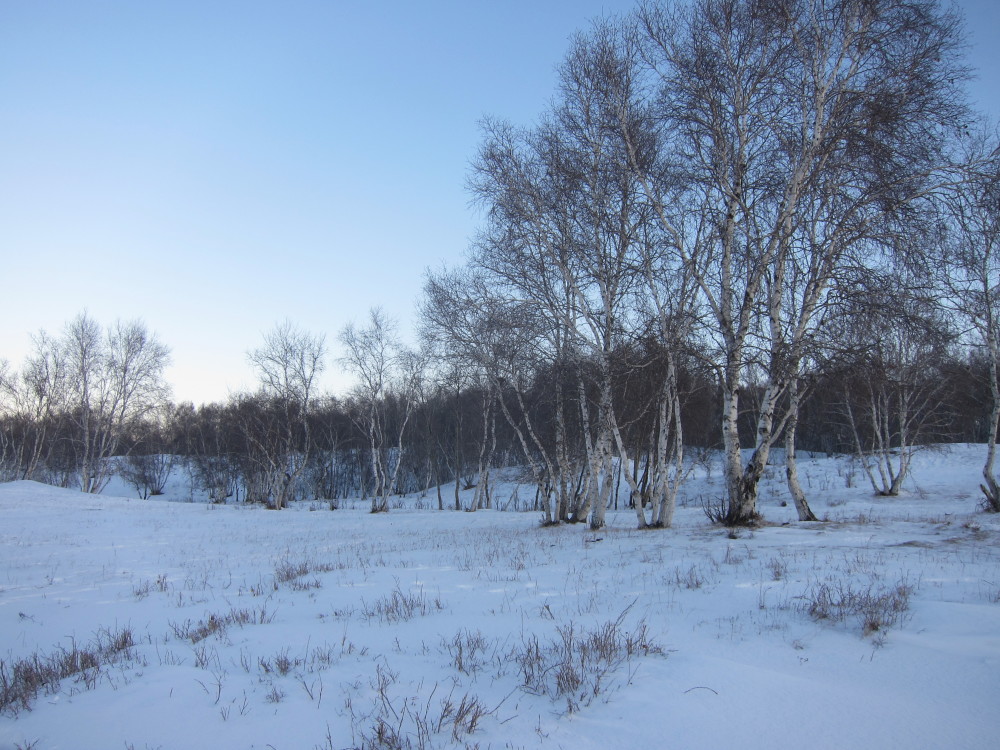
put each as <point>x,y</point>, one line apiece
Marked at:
<point>571,209</point>
<point>524,254</point>
<point>503,338</point>
<point>894,387</point>
<point>287,365</point>
<point>387,372</point>
<point>970,274</point>
<point>36,404</point>
<point>114,378</point>
<point>773,113</point>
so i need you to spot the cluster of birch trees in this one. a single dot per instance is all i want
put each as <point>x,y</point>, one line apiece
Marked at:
<point>76,400</point>
<point>777,189</point>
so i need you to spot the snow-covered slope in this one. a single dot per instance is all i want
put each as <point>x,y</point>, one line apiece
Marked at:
<point>236,627</point>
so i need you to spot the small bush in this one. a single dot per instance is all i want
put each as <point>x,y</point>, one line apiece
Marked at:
<point>414,723</point>
<point>281,664</point>
<point>400,607</point>
<point>218,624</point>
<point>693,578</point>
<point>286,571</point>
<point>22,680</point>
<point>576,663</point>
<point>467,651</point>
<point>200,630</point>
<point>715,509</point>
<point>874,609</point>
<point>778,568</point>
<point>720,513</point>
<point>292,573</point>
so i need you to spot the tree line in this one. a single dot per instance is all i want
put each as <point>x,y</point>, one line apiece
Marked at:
<point>740,225</point>
<point>450,432</point>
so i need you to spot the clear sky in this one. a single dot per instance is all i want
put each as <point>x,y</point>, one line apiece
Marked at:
<point>215,167</point>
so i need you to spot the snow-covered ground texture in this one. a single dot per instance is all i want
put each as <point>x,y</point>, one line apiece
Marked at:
<point>147,624</point>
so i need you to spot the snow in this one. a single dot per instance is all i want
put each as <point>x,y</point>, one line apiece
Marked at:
<point>233,648</point>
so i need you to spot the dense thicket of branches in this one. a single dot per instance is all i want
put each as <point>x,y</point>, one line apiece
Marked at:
<point>739,222</point>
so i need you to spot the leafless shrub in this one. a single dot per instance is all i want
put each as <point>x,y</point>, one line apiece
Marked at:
<point>692,578</point>
<point>322,657</point>
<point>778,568</point>
<point>576,664</point>
<point>205,656</point>
<point>300,585</point>
<point>716,509</point>
<point>400,607</point>
<point>292,573</point>
<point>241,616</point>
<point>874,608</point>
<point>416,723</point>
<point>280,664</point>
<point>469,713</point>
<point>467,650</point>
<point>199,631</point>
<point>146,473</point>
<point>141,590</point>
<point>216,624</point>
<point>384,737</point>
<point>286,571</point>
<point>639,643</point>
<point>22,680</point>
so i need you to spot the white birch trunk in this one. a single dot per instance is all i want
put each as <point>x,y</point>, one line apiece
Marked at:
<point>791,465</point>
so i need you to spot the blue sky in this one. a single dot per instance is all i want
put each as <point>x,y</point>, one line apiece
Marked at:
<point>216,167</point>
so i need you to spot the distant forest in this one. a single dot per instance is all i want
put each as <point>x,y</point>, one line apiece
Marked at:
<point>753,227</point>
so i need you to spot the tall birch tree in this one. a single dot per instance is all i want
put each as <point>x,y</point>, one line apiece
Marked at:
<point>969,265</point>
<point>793,127</point>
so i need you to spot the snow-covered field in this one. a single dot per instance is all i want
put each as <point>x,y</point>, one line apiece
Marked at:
<point>185,625</point>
